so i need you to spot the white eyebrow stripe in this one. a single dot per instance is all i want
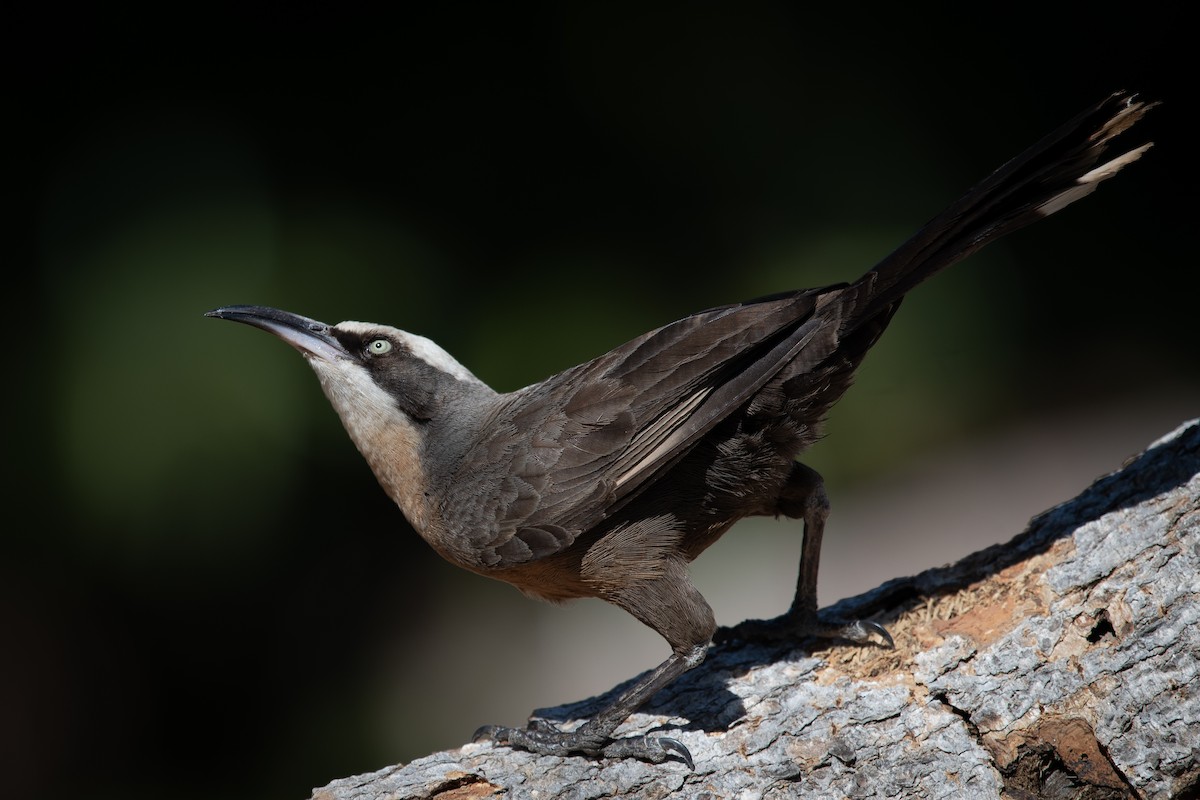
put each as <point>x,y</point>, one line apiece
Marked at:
<point>425,349</point>
<point>432,353</point>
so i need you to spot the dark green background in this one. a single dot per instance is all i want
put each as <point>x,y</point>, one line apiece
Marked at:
<point>200,578</point>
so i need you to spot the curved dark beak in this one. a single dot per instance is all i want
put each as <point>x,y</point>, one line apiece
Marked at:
<point>310,337</point>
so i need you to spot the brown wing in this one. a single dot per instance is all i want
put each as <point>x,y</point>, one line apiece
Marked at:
<point>562,455</point>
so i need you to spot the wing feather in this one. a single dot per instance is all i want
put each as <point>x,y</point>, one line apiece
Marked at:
<point>563,455</point>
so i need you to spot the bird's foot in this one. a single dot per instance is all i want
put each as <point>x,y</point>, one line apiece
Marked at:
<point>797,625</point>
<point>545,739</point>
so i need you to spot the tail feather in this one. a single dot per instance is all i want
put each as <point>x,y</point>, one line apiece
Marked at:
<point>1063,167</point>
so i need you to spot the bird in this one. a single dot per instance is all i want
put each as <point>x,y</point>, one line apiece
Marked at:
<point>607,479</point>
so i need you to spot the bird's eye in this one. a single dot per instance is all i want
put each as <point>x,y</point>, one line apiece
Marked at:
<point>379,347</point>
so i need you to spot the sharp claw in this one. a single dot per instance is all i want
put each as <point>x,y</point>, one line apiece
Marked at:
<point>677,747</point>
<point>875,627</point>
<point>862,631</point>
<point>486,732</point>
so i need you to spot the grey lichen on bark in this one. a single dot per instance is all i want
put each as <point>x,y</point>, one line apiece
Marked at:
<point>1064,663</point>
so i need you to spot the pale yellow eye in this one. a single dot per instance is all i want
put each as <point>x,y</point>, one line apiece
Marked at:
<point>379,347</point>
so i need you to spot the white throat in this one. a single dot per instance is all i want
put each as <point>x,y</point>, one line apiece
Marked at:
<point>384,434</point>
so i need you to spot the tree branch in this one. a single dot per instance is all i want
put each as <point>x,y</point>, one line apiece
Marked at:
<point>1065,663</point>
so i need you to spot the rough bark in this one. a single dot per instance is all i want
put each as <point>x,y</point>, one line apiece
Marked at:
<point>1065,663</point>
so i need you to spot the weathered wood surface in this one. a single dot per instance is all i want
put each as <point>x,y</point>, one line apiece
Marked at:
<point>1065,663</point>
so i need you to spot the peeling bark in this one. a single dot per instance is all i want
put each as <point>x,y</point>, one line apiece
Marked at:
<point>1065,663</point>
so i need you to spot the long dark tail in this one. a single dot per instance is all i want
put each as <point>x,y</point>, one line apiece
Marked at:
<point>1061,168</point>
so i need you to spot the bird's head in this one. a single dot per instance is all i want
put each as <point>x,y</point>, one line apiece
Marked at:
<point>385,384</point>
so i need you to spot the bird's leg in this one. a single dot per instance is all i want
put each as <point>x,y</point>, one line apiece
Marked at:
<point>669,604</point>
<point>804,497</point>
<point>594,737</point>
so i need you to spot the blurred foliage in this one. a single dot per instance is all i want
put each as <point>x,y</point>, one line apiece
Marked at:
<point>203,576</point>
